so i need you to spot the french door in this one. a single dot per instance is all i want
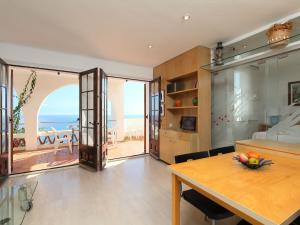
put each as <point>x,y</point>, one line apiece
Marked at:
<point>93,119</point>
<point>154,123</point>
<point>4,110</point>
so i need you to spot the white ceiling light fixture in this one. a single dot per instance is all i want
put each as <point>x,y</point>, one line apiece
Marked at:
<point>186,17</point>
<point>150,46</point>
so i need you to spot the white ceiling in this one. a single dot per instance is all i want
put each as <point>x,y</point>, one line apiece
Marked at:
<point>121,30</point>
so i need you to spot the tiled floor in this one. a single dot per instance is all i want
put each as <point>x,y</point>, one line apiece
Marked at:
<point>43,159</point>
<point>126,148</point>
<point>129,192</point>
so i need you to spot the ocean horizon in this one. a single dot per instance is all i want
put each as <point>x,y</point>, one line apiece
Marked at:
<point>66,122</point>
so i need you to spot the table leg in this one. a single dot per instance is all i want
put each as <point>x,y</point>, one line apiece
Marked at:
<point>176,195</point>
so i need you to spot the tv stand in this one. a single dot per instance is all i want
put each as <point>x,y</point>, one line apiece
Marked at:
<point>174,143</point>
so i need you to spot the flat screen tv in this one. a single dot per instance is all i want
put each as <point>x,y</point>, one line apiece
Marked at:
<point>188,123</point>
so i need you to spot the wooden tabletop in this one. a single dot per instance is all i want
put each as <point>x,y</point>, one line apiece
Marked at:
<point>269,195</point>
<point>275,146</point>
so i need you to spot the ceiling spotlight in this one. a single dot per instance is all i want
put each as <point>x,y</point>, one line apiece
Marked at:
<point>186,17</point>
<point>150,46</point>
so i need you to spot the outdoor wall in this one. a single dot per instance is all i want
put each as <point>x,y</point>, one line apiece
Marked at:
<point>47,82</point>
<point>25,55</point>
<point>116,97</point>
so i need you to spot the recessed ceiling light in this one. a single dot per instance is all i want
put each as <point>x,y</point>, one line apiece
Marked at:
<point>150,46</point>
<point>186,17</point>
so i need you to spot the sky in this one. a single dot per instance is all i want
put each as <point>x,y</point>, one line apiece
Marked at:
<point>134,98</point>
<point>65,101</point>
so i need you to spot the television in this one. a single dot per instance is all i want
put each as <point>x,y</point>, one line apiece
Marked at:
<point>188,123</point>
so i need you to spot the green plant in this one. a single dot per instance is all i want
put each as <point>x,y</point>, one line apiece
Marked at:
<point>23,98</point>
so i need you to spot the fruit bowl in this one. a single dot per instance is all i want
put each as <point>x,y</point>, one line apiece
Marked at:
<point>252,160</point>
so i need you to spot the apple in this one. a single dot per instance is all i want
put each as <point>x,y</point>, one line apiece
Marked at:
<point>243,158</point>
<point>253,161</point>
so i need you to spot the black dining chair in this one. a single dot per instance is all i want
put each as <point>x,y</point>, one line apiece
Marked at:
<point>295,222</point>
<point>223,150</point>
<point>211,209</point>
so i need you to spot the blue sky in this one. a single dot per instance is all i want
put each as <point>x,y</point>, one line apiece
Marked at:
<point>134,98</point>
<point>65,101</point>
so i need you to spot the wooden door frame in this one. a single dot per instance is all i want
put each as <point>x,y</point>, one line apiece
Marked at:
<point>95,71</point>
<point>159,117</point>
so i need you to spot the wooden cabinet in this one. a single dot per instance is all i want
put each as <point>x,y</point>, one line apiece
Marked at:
<point>174,143</point>
<point>191,82</point>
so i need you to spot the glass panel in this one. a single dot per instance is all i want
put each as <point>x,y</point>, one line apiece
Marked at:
<point>156,132</point>
<point>91,118</point>
<point>84,118</point>
<point>11,205</point>
<point>3,97</point>
<point>4,122</point>
<point>103,135</point>
<point>152,103</point>
<point>252,101</point>
<point>84,83</point>
<point>90,100</point>
<point>91,82</point>
<point>4,141</point>
<point>90,137</point>
<point>84,100</point>
<point>156,116</point>
<point>84,136</point>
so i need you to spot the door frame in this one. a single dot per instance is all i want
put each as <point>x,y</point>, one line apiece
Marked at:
<point>146,114</point>
<point>158,79</point>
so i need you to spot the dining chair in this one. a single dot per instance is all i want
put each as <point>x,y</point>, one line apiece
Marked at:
<point>295,222</point>
<point>223,150</point>
<point>59,140</point>
<point>211,209</point>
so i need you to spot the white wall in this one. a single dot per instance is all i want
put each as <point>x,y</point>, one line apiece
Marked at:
<point>24,55</point>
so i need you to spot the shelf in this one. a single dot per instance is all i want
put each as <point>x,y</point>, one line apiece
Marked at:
<point>183,91</point>
<point>182,107</point>
<point>183,76</point>
<point>248,55</point>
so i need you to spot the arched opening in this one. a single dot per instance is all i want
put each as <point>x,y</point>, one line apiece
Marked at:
<point>60,109</point>
<point>53,103</point>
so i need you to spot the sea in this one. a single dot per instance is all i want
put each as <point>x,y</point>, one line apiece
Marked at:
<point>67,122</point>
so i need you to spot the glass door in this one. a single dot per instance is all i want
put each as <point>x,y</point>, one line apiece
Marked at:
<point>93,118</point>
<point>4,153</point>
<point>88,150</point>
<point>154,117</point>
<point>103,119</point>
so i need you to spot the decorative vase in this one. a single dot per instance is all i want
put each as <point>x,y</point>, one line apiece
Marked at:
<point>178,103</point>
<point>195,101</point>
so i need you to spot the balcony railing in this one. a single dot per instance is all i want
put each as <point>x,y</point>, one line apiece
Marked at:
<point>46,139</point>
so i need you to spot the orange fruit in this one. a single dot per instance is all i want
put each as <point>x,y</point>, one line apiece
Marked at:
<point>253,155</point>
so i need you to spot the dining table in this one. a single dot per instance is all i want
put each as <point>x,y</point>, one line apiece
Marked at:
<point>269,195</point>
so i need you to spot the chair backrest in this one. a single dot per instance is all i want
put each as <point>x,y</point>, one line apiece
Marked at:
<point>190,156</point>
<point>222,150</point>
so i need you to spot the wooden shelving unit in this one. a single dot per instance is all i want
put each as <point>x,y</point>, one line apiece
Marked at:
<point>182,107</point>
<point>189,81</point>
<point>183,91</point>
